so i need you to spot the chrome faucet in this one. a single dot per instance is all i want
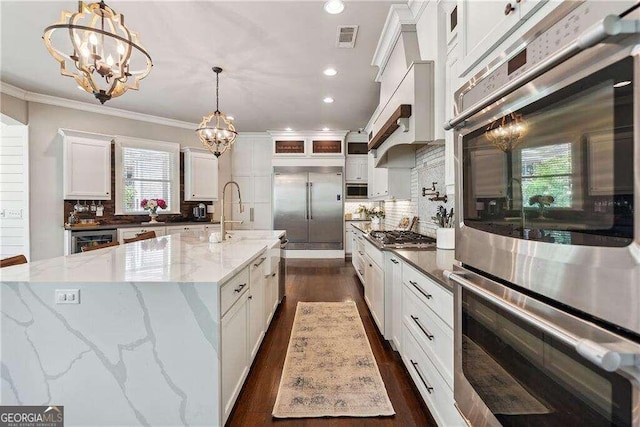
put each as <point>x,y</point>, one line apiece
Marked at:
<point>223,232</point>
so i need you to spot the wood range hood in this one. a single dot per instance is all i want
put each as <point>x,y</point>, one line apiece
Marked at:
<point>404,119</point>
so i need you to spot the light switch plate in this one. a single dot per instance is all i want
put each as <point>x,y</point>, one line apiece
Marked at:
<point>67,296</point>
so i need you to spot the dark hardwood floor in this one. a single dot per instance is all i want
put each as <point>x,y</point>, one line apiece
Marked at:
<point>323,280</point>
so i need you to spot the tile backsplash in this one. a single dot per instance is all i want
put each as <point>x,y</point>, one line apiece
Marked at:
<point>429,168</point>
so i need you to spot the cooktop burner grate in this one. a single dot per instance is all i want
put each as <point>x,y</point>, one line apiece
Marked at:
<point>399,237</point>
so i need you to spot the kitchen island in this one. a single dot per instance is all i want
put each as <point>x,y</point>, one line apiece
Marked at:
<point>176,318</point>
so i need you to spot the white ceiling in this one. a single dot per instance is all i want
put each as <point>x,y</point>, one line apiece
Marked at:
<point>272,52</point>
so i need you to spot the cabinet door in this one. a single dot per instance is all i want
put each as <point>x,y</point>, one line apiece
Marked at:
<point>396,302</point>
<point>257,319</point>
<point>368,279</point>
<point>242,157</point>
<point>262,156</point>
<point>486,24</point>
<point>261,189</point>
<point>246,189</point>
<point>381,181</point>
<point>178,229</point>
<point>348,241</point>
<point>201,177</point>
<point>351,169</point>
<point>261,218</point>
<point>128,233</point>
<point>235,352</point>
<point>87,168</point>
<point>363,165</point>
<point>376,286</point>
<point>370,176</point>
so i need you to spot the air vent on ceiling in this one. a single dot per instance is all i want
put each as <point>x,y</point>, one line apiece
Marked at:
<point>347,36</point>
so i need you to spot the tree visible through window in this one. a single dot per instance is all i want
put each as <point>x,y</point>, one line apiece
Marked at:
<point>547,171</point>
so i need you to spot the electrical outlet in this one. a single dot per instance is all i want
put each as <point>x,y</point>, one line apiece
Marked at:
<point>67,296</point>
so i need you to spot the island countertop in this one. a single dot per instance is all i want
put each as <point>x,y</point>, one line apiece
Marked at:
<point>176,258</point>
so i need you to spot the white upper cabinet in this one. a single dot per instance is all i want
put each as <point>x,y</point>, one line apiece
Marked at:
<point>86,165</point>
<point>356,169</point>
<point>484,25</point>
<point>200,175</point>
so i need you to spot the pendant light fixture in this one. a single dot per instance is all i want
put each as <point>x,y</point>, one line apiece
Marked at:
<point>216,131</point>
<point>96,48</point>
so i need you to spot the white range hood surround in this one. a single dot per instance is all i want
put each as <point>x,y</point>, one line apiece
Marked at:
<point>404,80</point>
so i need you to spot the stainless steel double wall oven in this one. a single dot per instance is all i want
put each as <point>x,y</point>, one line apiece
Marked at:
<point>547,146</point>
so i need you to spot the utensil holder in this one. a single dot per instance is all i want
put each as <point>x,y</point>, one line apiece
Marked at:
<point>446,238</point>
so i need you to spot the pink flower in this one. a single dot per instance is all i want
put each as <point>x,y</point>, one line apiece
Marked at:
<point>162,204</point>
<point>143,203</point>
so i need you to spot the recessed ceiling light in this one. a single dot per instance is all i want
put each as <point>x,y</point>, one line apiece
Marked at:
<point>328,100</point>
<point>325,129</point>
<point>334,6</point>
<point>330,72</point>
<point>288,129</point>
<point>622,84</point>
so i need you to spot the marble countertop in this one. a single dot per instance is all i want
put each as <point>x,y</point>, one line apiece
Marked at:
<point>176,258</point>
<point>138,224</point>
<point>430,261</point>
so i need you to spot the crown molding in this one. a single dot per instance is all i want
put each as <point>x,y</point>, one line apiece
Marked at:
<point>19,93</point>
<point>417,8</point>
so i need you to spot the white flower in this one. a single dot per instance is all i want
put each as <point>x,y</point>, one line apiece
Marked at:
<point>152,204</point>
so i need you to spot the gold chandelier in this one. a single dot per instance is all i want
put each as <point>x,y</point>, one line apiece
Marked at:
<point>216,131</point>
<point>107,56</point>
<point>508,134</point>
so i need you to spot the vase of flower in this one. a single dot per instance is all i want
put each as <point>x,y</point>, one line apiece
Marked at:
<point>152,205</point>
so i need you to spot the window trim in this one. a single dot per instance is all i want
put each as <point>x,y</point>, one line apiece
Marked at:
<point>172,148</point>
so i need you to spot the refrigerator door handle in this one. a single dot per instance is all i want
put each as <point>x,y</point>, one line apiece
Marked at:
<point>306,205</point>
<point>310,201</point>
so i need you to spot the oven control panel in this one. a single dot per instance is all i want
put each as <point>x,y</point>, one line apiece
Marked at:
<point>536,49</point>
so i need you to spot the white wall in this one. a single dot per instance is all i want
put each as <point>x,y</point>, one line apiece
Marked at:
<point>45,152</point>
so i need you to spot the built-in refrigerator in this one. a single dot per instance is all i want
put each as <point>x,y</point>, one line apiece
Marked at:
<point>308,203</point>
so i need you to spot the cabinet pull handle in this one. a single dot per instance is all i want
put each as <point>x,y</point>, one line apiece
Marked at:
<point>394,261</point>
<point>415,366</point>
<point>250,297</point>
<point>508,9</point>
<point>416,320</point>
<point>370,265</point>
<point>273,274</point>
<point>361,253</point>
<point>239,288</point>
<point>260,262</point>
<point>415,285</point>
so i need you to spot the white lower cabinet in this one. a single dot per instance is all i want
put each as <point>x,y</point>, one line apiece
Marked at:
<point>247,303</point>
<point>183,229</point>
<point>235,354</point>
<point>257,319</point>
<point>393,289</point>
<point>128,233</point>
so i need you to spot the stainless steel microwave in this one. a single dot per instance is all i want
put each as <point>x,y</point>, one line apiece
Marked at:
<point>357,191</point>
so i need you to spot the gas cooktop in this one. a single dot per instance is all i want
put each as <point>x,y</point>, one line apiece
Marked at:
<point>401,239</point>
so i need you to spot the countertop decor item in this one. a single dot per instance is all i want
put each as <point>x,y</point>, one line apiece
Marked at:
<point>152,205</point>
<point>330,335</point>
<point>216,131</point>
<point>101,53</point>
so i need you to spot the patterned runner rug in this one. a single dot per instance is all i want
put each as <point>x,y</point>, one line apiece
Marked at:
<point>330,370</point>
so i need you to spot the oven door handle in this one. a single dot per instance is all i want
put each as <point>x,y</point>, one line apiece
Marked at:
<point>611,25</point>
<point>598,354</point>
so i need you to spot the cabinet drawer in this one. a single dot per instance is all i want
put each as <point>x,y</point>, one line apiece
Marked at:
<point>434,390</point>
<point>430,332</point>
<point>435,296</point>
<point>233,289</point>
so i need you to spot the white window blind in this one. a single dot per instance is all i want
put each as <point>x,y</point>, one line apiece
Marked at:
<point>147,170</point>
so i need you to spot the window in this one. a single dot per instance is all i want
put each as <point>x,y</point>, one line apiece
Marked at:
<point>146,170</point>
<point>547,171</point>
